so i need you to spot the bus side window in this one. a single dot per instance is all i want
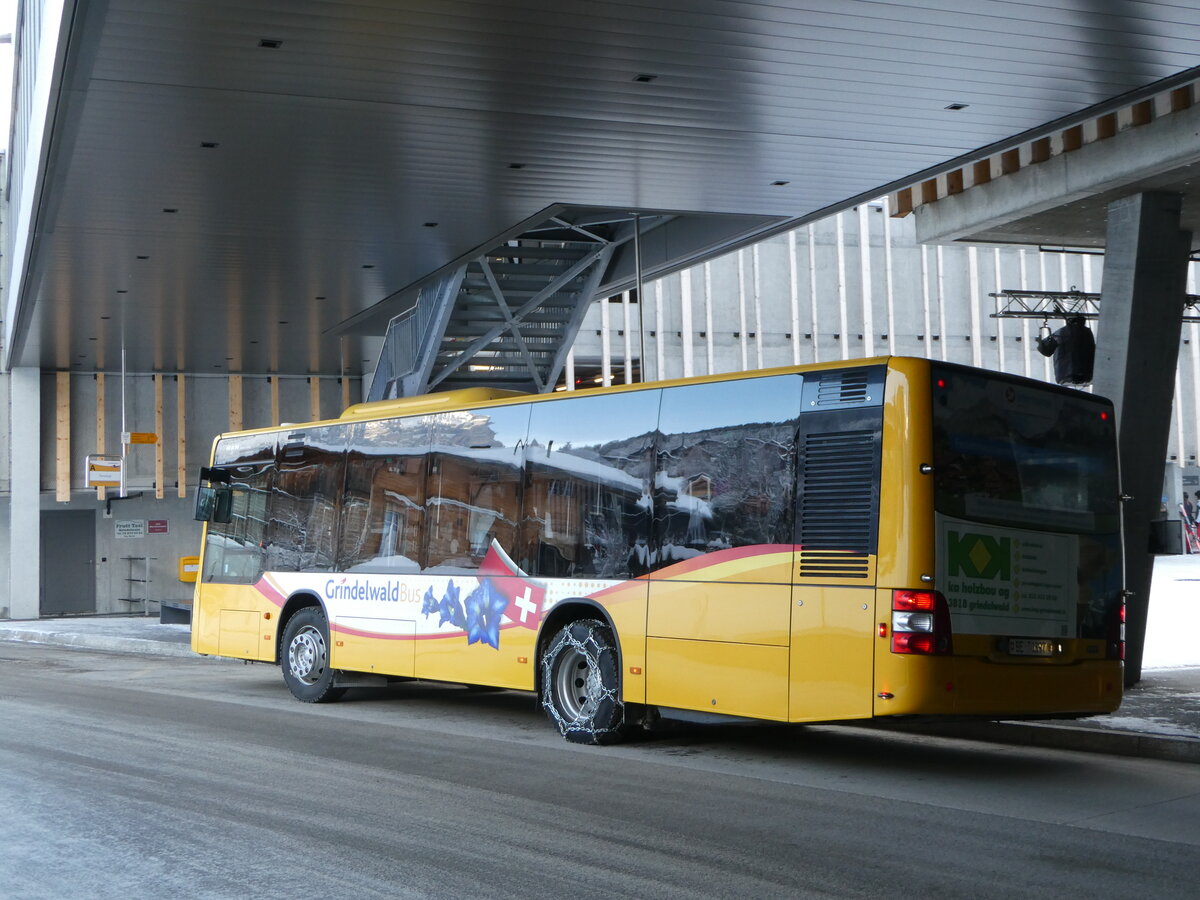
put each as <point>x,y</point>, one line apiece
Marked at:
<point>474,482</point>
<point>304,503</point>
<point>384,503</point>
<point>234,549</point>
<point>588,468</point>
<point>725,466</point>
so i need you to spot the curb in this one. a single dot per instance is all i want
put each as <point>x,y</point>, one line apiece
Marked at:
<point>98,642</point>
<point>1061,737</point>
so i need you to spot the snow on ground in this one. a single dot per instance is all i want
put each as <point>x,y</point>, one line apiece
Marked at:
<point>1173,629</point>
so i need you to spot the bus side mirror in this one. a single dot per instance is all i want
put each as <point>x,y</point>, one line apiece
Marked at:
<point>214,503</point>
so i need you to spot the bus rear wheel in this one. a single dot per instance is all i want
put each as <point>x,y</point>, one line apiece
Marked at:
<point>581,683</point>
<point>305,657</point>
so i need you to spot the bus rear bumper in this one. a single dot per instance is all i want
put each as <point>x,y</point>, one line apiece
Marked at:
<point>958,686</point>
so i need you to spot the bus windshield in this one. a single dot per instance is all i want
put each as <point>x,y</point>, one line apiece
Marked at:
<point>1022,454</point>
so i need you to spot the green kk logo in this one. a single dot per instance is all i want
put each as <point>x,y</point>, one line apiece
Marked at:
<point>978,555</point>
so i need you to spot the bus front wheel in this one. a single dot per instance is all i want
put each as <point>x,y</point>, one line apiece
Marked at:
<point>581,683</point>
<point>305,657</point>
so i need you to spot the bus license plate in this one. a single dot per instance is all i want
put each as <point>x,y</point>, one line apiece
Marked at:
<point>1030,647</point>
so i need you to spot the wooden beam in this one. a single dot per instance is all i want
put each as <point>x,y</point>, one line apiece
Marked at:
<point>1010,161</point>
<point>345,392</point>
<point>275,419</point>
<point>1106,126</point>
<point>1073,138</point>
<point>235,402</point>
<point>1039,150</point>
<point>314,398</point>
<point>181,484</point>
<point>902,205</point>
<point>1142,113</point>
<point>101,492</point>
<point>62,438</point>
<point>159,467</point>
<point>981,172</point>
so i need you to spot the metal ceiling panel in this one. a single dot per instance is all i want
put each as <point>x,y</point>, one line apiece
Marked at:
<point>378,141</point>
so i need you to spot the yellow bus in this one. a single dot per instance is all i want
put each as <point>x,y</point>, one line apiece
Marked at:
<point>887,537</point>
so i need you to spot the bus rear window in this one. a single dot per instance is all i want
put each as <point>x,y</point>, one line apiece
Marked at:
<point>1023,454</point>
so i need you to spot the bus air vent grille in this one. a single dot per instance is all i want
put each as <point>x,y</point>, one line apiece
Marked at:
<point>842,388</point>
<point>836,503</point>
<point>833,564</point>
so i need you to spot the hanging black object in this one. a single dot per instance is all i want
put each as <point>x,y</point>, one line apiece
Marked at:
<point>1074,352</point>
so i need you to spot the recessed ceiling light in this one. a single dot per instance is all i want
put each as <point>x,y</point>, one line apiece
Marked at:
<point>320,298</point>
<point>209,145</point>
<point>368,266</point>
<point>283,321</point>
<point>170,209</point>
<point>254,342</point>
<point>779,183</point>
<point>91,339</point>
<point>957,106</point>
<point>516,165</point>
<point>431,224</point>
<point>270,43</point>
<point>143,257</point>
<point>106,317</point>
<point>644,78</point>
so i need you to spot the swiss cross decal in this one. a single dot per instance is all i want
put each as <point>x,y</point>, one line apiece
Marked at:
<point>526,599</point>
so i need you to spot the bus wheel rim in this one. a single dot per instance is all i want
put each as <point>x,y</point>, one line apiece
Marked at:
<point>576,683</point>
<point>306,655</point>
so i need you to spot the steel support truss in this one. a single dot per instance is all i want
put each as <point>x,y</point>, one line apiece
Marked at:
<point>1064,305</point>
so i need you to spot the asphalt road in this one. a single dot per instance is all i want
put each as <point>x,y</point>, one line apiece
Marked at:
<point>130,777</point>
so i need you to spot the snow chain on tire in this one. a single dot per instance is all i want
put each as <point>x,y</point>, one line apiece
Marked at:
<point>581,683</point>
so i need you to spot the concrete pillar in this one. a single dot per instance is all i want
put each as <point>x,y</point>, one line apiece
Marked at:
<point>24,531</point>
<point>1145,273</point>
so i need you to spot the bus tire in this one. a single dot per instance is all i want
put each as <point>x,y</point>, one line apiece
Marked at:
<point>581,683</point>
<point>304,657</point>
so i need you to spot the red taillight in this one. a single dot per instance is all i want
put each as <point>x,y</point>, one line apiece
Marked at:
<point>913,642</point>
<point>924,601</point>
<point>920,623</point>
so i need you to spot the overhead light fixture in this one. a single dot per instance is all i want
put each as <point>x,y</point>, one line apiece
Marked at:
<point>270,43</point>
<point>431,224</point>
<point>209,145</point>
<point>170,209</point>
<point>779,183</point>
<point>644,78</point>
<point>516,165</point>
<point>954,107</point>
<point>143,257</point>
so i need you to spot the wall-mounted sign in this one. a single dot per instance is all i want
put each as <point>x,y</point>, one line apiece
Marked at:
<point>103,471</point>
<point>139,437</point>
<point>158,526</point>
<point>131,528</point>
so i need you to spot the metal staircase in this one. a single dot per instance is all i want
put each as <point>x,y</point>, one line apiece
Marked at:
<point>504,319</point>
